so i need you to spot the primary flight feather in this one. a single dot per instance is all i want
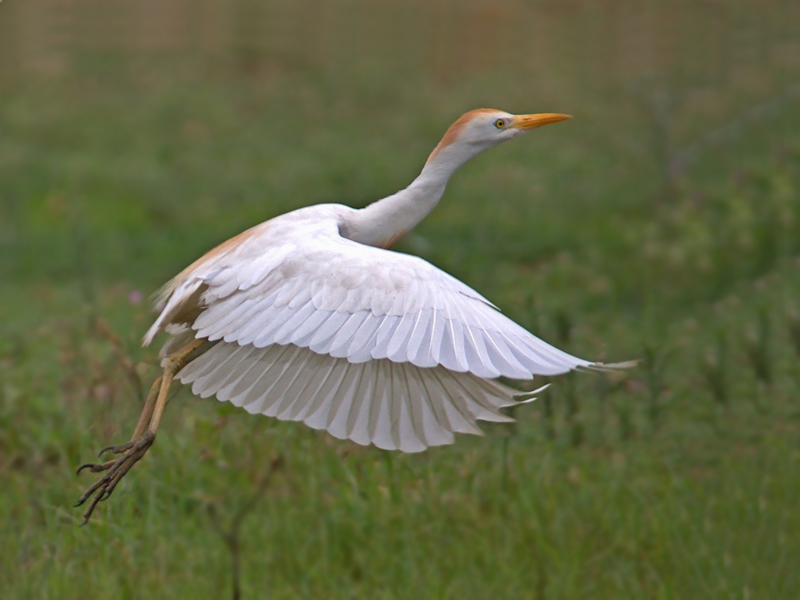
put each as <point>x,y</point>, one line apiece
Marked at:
<point>310,317</point>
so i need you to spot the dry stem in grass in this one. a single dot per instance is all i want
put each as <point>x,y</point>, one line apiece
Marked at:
<point>121,355</point>
<point>231,535</point>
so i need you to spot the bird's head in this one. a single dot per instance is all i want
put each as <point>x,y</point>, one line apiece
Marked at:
<point>484,128</point>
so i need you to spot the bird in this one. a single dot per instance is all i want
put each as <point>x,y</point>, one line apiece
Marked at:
<point>310,316</point>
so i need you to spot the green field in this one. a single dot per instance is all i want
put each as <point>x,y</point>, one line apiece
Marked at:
<point>662,223</point>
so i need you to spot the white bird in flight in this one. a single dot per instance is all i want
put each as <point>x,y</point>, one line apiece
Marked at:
<point>310,317</point>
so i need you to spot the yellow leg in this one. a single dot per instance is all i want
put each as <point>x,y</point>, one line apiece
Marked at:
<point>145,433</point>
<point>147,410</point>
<point>174,364</point>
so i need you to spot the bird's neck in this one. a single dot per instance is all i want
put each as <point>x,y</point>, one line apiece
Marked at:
<point>384,222</point>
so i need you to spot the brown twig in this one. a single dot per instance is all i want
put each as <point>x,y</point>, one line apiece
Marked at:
<point>231,535</point>
<point>121,355</point>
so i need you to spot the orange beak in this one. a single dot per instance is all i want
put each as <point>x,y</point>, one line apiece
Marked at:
<point>531,121</point>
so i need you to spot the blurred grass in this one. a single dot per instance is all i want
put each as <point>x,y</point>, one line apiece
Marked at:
<point>662,223</point>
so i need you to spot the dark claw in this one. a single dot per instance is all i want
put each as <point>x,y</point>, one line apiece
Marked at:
<point>104,450</point>
<point>116,469</point>
<point>95,468</point>
<point>117,449</point>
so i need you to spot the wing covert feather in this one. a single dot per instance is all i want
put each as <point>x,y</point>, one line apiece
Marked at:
<point>304,284</point>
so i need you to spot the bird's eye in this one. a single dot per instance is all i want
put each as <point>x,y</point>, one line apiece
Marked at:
<point>500,123</point>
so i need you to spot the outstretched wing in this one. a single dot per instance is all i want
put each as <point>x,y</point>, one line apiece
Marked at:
<point>372,345</point>
<point>347,300</point>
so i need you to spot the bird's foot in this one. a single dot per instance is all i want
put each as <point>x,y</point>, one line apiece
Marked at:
<point>117,468</point>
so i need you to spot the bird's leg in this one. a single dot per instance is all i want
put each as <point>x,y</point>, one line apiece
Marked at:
<point>143,436</point>
<point>144,421</point>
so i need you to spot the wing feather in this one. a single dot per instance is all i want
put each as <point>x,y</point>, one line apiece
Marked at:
<point>333,375</point>
<point>388,404</point>
<point>437,335</point>
<point>250,330</point>
<point>224,384</point>
<point>407,433</point>
<point>425,423</point>
<point>438,428</point>
<point>419,351</point>
<point>361,339</point>
<point>381,432</point>
<point>319,371</point>
<point>214,323</point>
<point>318,414</point>
<point>296,371</point>
<point>340,343</point>
<point>266,334</point>
<point>208,384</point>
<point>275,381</point>
<point>396,350</point>
<point>358,419</point>
<point>476,355</point>
<point>304,312</point>
<point>306,330</point>
<point>384,335</point>
<point>458,414</point>
<point>327,329</point>
<point>341,404</point>
<point>394,403</point>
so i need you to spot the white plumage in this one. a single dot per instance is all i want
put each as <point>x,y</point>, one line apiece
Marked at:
<point>315,322</point>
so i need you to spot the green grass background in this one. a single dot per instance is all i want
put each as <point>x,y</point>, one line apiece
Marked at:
<point>662,223</point>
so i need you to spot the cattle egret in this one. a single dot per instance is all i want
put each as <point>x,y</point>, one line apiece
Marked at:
<point>310,317</point>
